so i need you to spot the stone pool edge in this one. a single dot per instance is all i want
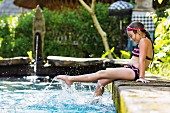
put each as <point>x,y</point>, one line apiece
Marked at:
<point>127,99</point>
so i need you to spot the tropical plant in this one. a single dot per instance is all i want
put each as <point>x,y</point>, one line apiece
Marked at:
<point>68,33</point>
<point>162,44</point>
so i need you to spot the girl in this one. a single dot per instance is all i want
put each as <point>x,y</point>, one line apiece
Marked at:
<point>142,56</point>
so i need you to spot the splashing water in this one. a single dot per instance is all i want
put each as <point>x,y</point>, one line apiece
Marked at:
<point>46,88</point>
<point>19,97</point>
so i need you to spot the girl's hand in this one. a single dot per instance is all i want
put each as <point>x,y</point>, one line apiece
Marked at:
<point>142,80</point>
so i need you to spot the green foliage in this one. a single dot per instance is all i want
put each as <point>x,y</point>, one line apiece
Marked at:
<point>125,54</point>
<point>162,41</point>
<point>68,33</point>
<point>6,47</point>
<point>162,44</point>
<point>160,68</point>
<point>160,11</point>
<point>15,35</point>
<point>6,36</point>
<point>112,52</point>
<point>4,29</point>
<point>160,1</point>
<point>30,55</point>
<point>12,24</point>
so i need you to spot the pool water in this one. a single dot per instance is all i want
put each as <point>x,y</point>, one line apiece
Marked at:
<point>56,97</point>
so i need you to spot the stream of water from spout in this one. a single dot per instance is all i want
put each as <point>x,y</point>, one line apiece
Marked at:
<point>36,54</point>
<point>34,76</point>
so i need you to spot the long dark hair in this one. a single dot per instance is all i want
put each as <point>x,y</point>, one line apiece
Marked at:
<point>140,26</point>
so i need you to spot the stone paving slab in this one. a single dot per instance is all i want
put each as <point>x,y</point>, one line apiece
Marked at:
<point>137,97</point>
<point>142,99</point>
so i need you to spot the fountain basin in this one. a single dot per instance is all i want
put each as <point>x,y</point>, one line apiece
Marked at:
<point>21,66</point>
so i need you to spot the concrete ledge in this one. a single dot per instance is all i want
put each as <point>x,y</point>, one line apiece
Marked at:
<point>133,97</point>
<point>15,61</point>
<point>72,61</point>
<point>142,99</point>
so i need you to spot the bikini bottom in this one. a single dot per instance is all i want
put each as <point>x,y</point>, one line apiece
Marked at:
<point>136,70</point>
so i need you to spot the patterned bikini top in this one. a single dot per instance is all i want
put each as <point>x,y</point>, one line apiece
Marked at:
<point>135,52</point>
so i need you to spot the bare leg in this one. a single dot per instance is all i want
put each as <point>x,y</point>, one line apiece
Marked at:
<point>100,86</point>
<point>111,74</point>
<point>64,78</point>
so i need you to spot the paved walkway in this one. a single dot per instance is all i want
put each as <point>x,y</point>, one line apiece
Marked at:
<point>132,97</point>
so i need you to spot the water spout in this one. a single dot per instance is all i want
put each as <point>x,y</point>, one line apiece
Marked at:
<point>38,45</point>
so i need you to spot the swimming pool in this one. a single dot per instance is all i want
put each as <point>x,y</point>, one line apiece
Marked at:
<point>20,96</point>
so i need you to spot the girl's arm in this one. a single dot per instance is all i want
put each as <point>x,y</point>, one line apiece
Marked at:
<point>143,46</point>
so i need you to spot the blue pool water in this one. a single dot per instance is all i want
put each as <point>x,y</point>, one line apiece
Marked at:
<point>26,97</point>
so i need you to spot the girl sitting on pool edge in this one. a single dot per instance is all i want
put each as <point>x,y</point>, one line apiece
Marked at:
<point>142,56</point>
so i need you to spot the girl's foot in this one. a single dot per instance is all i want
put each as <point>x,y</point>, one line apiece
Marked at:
<point>99,91</point>
<point>65,79</point>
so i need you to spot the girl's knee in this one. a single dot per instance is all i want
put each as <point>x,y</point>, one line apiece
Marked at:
<point>104,82</point>
<point>102,72</point>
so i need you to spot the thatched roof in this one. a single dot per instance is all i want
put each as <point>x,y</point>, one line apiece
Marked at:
<point>54,4</point>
